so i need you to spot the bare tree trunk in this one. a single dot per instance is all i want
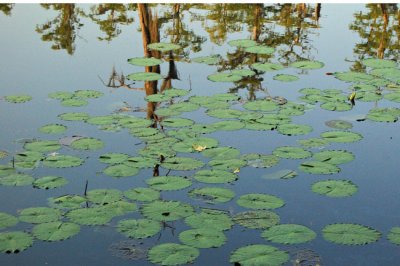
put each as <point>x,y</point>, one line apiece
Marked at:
<point>382,44</point>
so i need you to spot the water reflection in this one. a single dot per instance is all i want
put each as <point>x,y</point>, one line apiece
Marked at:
<point>6,8</point>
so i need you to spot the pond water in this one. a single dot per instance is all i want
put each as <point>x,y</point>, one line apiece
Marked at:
<point>299,68</point>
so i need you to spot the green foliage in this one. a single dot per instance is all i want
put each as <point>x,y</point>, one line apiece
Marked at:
<point>182,163</point>
<point>258,219</point>
<point>210,219</point>
<point>281,174</point>
<point>221,153</point>
<point>163,47</point>
<point>339,124</point>
<point>242,43</point>
<point>18,98</point>
<point>259,255</point>
<point>334,156</point>
<point>224,77</point>
<point>261,105</point>
<point>266,67</point>
<point>353,77</point>
<point>67,202</point>
<point>261,160</point>
<point>16,180</point>
<point>37,215</point>
<point>285,77</point>
<point>168,182</point>
<point>166,210</point>
<point>215,176</point>
<point>90,216</point>
<point>202,238</point>
<point>341,136</point>
<point>228,164</point>
<point>145,76</point>
<point>113,158</point>
<point>142,194</point>
<point>335,188</point>
<point>305,64</point>
<point>177,122</point>
<point>394,235</point>
<point>49,182</point>
<point>87,144</point>
<point>14,242</point>
<point>144,61</point>
<point>42,146</point>
<point>209,60</point>
<point>350,234</point>
<point>74,102</point>
<point>260,49</point>
<point>7,220</point>
<point>62,161</point>
<point>120,170</point>
<point>55,231</point>
<point>104,196</point>
<point>378,63</point>
<point>289,152</point>
<point>74,116</point>
<point>53,129</point>
<point>138,229</point>
<point>213,194</point>
<point>316,167</point>
<point>294,129</point>
<point>313,142</point>
<point>260,201</point>
<point>156,98</point>
<point>289,234</point>
<point>172,254</point>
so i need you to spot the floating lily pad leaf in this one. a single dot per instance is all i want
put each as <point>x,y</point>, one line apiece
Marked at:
<point>341,136</point>
<point>6,170</point>
<point>74,116</point>
<point>87,144</point>
<point>339,124</point>
<point>104,196</point>
<point>289,152</point>
<point>168,182</point>
<point>336,106</point>
<point>294,129</point>
<point>121,170</point>
<point>291,109</point>
<point>163,46</point>
<point>53,129</point>
<point>353,77</point>
<point>221,153</point>
<point>243,72</point>
<point>289,234</point>
<point>313,142</point>
<point>101,120</point>
<point>209,60</point>
<point>49,182</point>
<point>228,125</point>
<point>261,160</point>
<point>258,255</point>
<point>61,95</point>
<point>315,167</point>
<point>144,132</point>
<point>260,49</point>
<point>261,105</point>
<point>250,116</point>
<point>213,194</point>
<point>145,76</point>
<point>88,94</point>
<point>142,194</point>
<point>39,215</point>
<point>28,159</point>
<point>335,188</point>
<point>173,92</point>
<point>394,235</point>
<point>382,115</point>
<point>113,158</point>
<point>182,163</point>
<point>62,161</point>
<point>138,229</point>
<point>224,77</point>
<point>155,151</point>
<point>121,207</point>
<point>281,174</point>
<point>177,122</point>
<point>260,201</point>
<point>140,162</point>
<point>74,102</point>
<point>169,254</point>
<point>155,98</point>
<point>227,164</point>
<point>242,43</point>
<point>184,107</point>
<point>167,112</point>
<point>166,210</point>
<point>14,242</point>
<point>364,96</point>
<point>55,231</point>
<point>259,219</point>
<point>7,220</point>
<point>333,156</point>
<point>16,180</point>
<point>379,82</point>
<point>392,74</point>
<point>306,64</point>
<point>90,216</point>
<point>311,91</point>
<point>224,113</point>
<point>285,77</point>
<point>378,63</point>
<point>266,67</point>
<point>350,234</point>
<point>274,119</point>
<point>202,238</point>
<point>3,154</point>
<point>210,219</point>
<point>363,87</point>
<point>394,97</point>
<point>189,145</point>
<point>18,98</point>
<point>134,122</point>
<point>144,61</point>
<point>67,202</point>
<point>215,176</point>
<point>225,97</point>
<point>42,146</point>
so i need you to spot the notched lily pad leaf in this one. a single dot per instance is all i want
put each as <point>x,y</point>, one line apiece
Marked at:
<point>182,163</point>
<point>334,156</point>
<point>145,76</point>
<point>242,43</point>
<point>353,77</point>
<point>210,219</point>
<point>120,170</point>
<point>316,167</point>
<point>335,188</point>
<point>260,49</point>
<point>74,102</point>
<point>227,164</point>
<point>224,77</point>
<point>163,46</point>
<point>261,105</point>
<point>215,176</point>
<point>37,215</point>
<point>281,174</point>
<point>55,231</point>
<point>172,254</point>
<point>289,234</point>
<point>177,122</point>
<point>67,202</point>
<point>260,201</point>
<point>16,180</point>
<point>144,61</point>
<point>113,158</point>
<point>341,136</point>
<point>258,255</point>
<point>266,67</point>
<point>142,194</point>
<point>294,129</point>
<point>49,182</point>
<point>53,129</point>
<point>74,116</point>
<point>306,64</point>
<point>289,152</point>
<point>213,194</point>
<point>90,216</point>
<point>42,146</point>
<point>18,98</point>
<point>378,63</point>
<point>62,161</point>
<point>243,72</point>
<point>261,160</point>
<point>156,98</point>
<point>209,60</point>
<point>86,94</point>
<point>168,182</point>
<point>350,234</point>
<point>313,142</point>
<point>14,242</point>
<point>258,219</point>
<point>285,77</point>
<point>202,238</point>
<point>339,124</point>
<point>166,210</point>
<point>104,196</point>
<point>221,153</point>
<point>138,229</point>
<point>394,235</point>
<point>7,220</point>
<point>87,144</point>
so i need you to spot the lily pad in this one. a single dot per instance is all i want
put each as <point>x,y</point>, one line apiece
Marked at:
<point>382,115</point>
<point>215,176</point>
<point>74,116</point>
<point>221,153</point>
<point>177,122</point>
<point>266,67</point>
<point>285,77</point>
<point>172,254</point>
<point>156,98</point>
<point>18,98</point>
<point>243,72</point>
<point>289,234</point>
<point>74,102</point>
<point>190,145</point>
<point>163,46</point>
<point>3,154</point>
<point>104,196</point>
<point>389,73</point>
<point>259,255</point>
<point>113,158</point>
<point>261,160</point>
<point>144,61</point>
<point>62,161</point>
<point>61,95</point>
<point>53,129</point>
<point>210,219</point>
<point>67,202</point>
<point>142,194</point>
<point>281,174</point>
<point>224,77</point>
<point>339,124</point>
<point>335,188</point>
<point>316,167</point>
<point>242,43</point>
<point>394,97</point>
<point>378,63</point>
<point>313,142</point>
<point>42,146</point>
<point>159,210</point>
<point>258,219</point>
<point>336,106</point>
<point>16,180</point>
<point>227,164</point>
<point>120,207</point>
<point>213,194</point>
<point>294,129</point>
<point>228,125</point>
<point>90,216</point>
<point>260,49</point>
<point>394,235</point>
<point>120,170</point>
<point>350,234</point>
<point>174,92</point>
<point>334,156</point>
<point>145,76</point>
<point>138,229</point>
<point>14,242</point>
<point>289,152</point>
<point>260,201</point>
<point>7,220</point>
<point>353,77</point>
<point>202,238</point>
<point>55,231</point>
<point>6,170</point>
<point>37,215</point>
<point>88,94</point>
<point>182,163</point>
<point>49,182</point>
<point>341,136</point>
<point>87,144</point>
<point>306,64</point>
<point>209,60</point>
<point>184,107</point>
<point>224,113</point>
<point>140,162</point>
<point>168,182</point>
<point>261,105</point>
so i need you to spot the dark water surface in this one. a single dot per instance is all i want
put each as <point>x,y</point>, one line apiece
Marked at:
<point>78,48</point>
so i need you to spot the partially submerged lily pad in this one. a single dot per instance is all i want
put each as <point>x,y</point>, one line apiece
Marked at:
<point>227,164</point>
<point>74,102</point>
<point>181,163</point>
<point>156,98</point>
<point>166,210</point>
<point>49,182</point>
<point>142,194</point>
<point>260,49</point>
<point>141,228</point>
<point>42,146</point>
<point>215,176</point>
<point>87,144</point>
<point>69,201</point>
<point>306,64</point>
<point>7,220</point>
<point>53,129</point>
<point>341,136</point>
<point>294,129</point>
<point>281,174</point>
<point>266,67</point>
<point>289,152</point>
<point>90,216</point>
<point>120,170</point>
<point>378,63</point>
<point>16,180</point>
<point>335,188</point>
<point>209,60</point>
<point>257,219</point>
<point>210,219</point>
<point>258,255</point>
<point>221,153</point>
<point>113,158</point>
<point>74,116</point>
<point>177,122</point>
<point>289,234</point>
<point>62,161</point>
<point>55,231</point>
<point>394,235</point>
<point>313,142</point>
<point>18,98</point>
<point>339,124</point>
<point>172,254</point>
<point>202,238</point>
<point>242,43</point>
<point>104,196</point>
<point>260,201</point>
<point>37,215</point>
<point>14,242</point>
<point>213,194</point>
<point>350,234</point>
<point>334,156</point>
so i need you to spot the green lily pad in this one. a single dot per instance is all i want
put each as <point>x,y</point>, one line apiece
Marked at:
<point>260,160</point>
<point>104,196</point>
<point>145,76</point>
<point>350,234</point>
<point>120,207</point>
<point>394,235</point>
<point>285,77</point>
<point>294,129</point>
<point>336,106</point>
<point>209,60</point>
<point>87,144</point>
<point>353,77</point>
<point>227,164</point>
<point>177,122</point>
<point>221,153</point>
<point>138,229</point>
<point>313,142</point>
<point>184,107</point>
<point>55,231</point>
<point>163,46</point>
<point>144,61</point>
<point>142,194</point>
<point>16,180</point>
<point>260,201</point>
<point>144,132</point>
<point>202,238</point>
<point>166,112</point>
<point>224,113</point>
<point>168,182</point>
<point>243,72</point>
<point>378,63</point>
<point>140,162</point>
<point>339,124</point>
<point>189,145</point>
<point>67,202</point>
<point>382,115</point>
<point>316,167</point>
<point>156,98</point>
<point>74,116</point>
<point>74,102</point>
<point>394,97</point>
<point>61,95</point>
<point>334,156</point>
<point>62,161</point>
<point>172,254</point>
<point>335,188</point>
<point>49,182</point>
<point>389,73</point>
<point>242,43</point>
<point>159,210</point>
<point>306,64</point>
<point>224,77</point>
<point>260,49</point>
<point>101,120</point>
<point>7,220</point>
<point>53,129</point>
<point>341,136</point>
<point>215,176</point>
<point>38,215</point>
<point>182,163</point>
<point>261,105</point>
<point>228,125</point>
<point>292,109</point>
<point>213,194</point>
<point>120,170</point>
<point>14,242</point>
<point>258,219</point>
<point>6,170</point>
<point>42,146</point>
<point>289,234</point>
<point>28,159</point>
<point>259,255</point>
<point>174,92</point>
<point>281,174</point>
<point>365,96</point>
<point>113,158</point>
<point>88,94</point>
<point>18,98</point>
<point>134,122</point>
<point>289,152</point>
<point>90,216</point>
<point>210,219</point>
<point>266,67</point>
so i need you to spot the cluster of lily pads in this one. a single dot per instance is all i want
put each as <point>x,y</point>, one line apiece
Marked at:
<point>178,146</point>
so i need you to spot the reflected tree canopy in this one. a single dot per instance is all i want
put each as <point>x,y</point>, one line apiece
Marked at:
<point>6,8</point>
